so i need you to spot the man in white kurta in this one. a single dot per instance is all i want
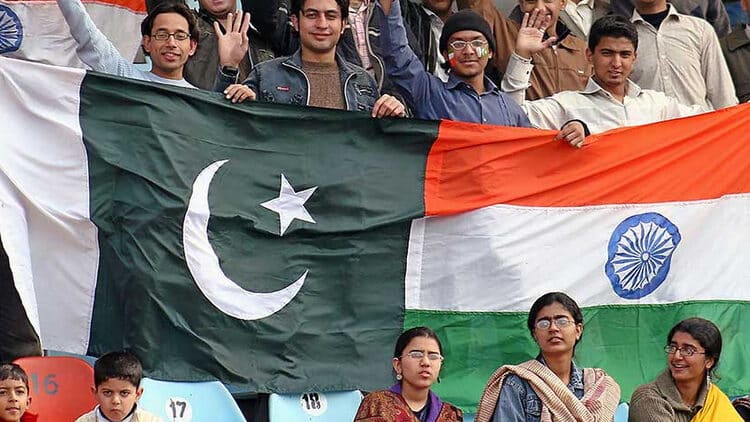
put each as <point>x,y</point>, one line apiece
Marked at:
<point>610,100</point>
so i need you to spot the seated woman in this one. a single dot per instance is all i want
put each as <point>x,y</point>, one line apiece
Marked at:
<point>552,386</point>
<point>684,392</point>
<point>416,361</point>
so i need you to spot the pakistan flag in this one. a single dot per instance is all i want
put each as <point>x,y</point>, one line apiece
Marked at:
<point>284,249</point>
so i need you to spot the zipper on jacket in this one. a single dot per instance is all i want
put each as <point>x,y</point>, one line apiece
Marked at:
<point>307,102</point>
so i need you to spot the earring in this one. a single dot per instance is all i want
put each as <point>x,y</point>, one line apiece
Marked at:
<point>708,378</point>
<point>399,377</point>
<point>438,380</point>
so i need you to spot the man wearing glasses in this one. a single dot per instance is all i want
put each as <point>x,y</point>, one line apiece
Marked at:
<point>467,45</point>
<point>169,36</point>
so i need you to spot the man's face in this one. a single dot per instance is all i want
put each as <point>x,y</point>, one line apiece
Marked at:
<point>116,398</point>
<point>651,5</point>
<point>169,56</point>
<point>319,25</point>
<point>613,60</point>
<point>218,8</point>
<point>440,7</point>
<point>549,8</point>
<point>469,61</point>
<point>14,399</point>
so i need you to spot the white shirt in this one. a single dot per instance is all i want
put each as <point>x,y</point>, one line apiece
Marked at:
<point>593,105</point>
<point>582,14</point>
<point>684,60</point>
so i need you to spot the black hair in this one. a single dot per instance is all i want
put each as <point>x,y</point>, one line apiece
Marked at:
<point>548,299</point>
<point>171,7</point>
<point>298,4</point>
<point>14,372</point>
<point>707,334</point>
<point>408,335</point>
<point>613,26</point>
<point>121,365</point>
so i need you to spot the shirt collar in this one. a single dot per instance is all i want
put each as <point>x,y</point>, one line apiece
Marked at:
<point>671,13</point>
<point>576,374</point>
<point>589,3</point>
<point>101,418</point>
<point>455,83</point>
<point>592,88</point>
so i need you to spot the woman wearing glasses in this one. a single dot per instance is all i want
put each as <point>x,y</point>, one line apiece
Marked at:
<point>416,360</point>
<point>552,386</point>
<point>684,391</point>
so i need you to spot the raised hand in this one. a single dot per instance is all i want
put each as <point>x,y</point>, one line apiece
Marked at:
<point>234,43</point>
<point>530,37</point>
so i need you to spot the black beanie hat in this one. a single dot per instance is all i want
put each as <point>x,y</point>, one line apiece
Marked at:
<point>466,20</point>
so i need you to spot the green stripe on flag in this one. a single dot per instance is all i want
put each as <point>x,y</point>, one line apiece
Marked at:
<point>147,147</point>
<point>627,341</point>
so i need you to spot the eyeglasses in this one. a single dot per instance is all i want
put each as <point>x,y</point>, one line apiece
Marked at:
<point>164,35</point>
<point>419,355</point>
<point>460,45</point>
<point>560,322</point>
<point>684,350</point>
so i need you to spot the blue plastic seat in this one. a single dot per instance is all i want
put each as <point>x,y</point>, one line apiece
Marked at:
<point>189,401</point>
<point>621,415</point>
<point>314,407</point>
<point>469,417</point>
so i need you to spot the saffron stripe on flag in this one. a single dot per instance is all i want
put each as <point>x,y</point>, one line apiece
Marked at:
<point>661,162</point>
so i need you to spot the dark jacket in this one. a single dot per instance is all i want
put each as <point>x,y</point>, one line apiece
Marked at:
<point>271,18</point>
<point>418,22</point>
<point>202,67</point>
<point>736,49</point>
<point>282,80</point>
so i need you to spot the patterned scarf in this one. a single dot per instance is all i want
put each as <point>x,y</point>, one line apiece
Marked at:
<point>599,403</point>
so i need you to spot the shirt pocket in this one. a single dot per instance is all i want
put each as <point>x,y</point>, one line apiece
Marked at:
<point>533,408</point>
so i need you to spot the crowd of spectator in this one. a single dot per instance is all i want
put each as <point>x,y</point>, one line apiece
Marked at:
<point>577,67</point>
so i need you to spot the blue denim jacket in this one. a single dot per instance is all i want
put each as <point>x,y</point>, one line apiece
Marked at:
<point>429,97</point>
<point>283,81</point>
<point>519,403</point>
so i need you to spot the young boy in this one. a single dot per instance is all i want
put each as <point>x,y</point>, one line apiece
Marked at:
<point>14,394</point>
<point>117,379</point>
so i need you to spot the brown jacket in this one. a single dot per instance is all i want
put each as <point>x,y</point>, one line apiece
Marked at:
<point>660,401</point>
<point>563,68</point>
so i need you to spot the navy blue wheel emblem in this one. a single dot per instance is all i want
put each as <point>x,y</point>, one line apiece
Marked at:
<point>11,30</point>
<point>640,253</point>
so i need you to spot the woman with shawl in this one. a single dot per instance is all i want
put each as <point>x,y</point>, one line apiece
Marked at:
<point>550,387</point>
<point>684,391</point>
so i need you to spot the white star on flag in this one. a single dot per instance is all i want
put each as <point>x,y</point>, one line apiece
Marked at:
<point>290,205</point>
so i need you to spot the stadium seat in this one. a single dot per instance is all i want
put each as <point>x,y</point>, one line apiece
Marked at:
<point>314,407</point>
<point>469,417</point>
<point>621,415</point>
<point>189,401</point>
<point>60,387</point>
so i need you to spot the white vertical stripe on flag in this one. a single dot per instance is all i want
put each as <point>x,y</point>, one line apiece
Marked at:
<point>44,199</point>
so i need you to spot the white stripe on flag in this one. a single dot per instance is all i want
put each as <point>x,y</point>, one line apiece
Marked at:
<point>44,199</point>
<point>46,35</point>
<point>502,258</point>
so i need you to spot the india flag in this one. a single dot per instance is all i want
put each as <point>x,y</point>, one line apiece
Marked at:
<point>35,29</point>
<point>284,249</point>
